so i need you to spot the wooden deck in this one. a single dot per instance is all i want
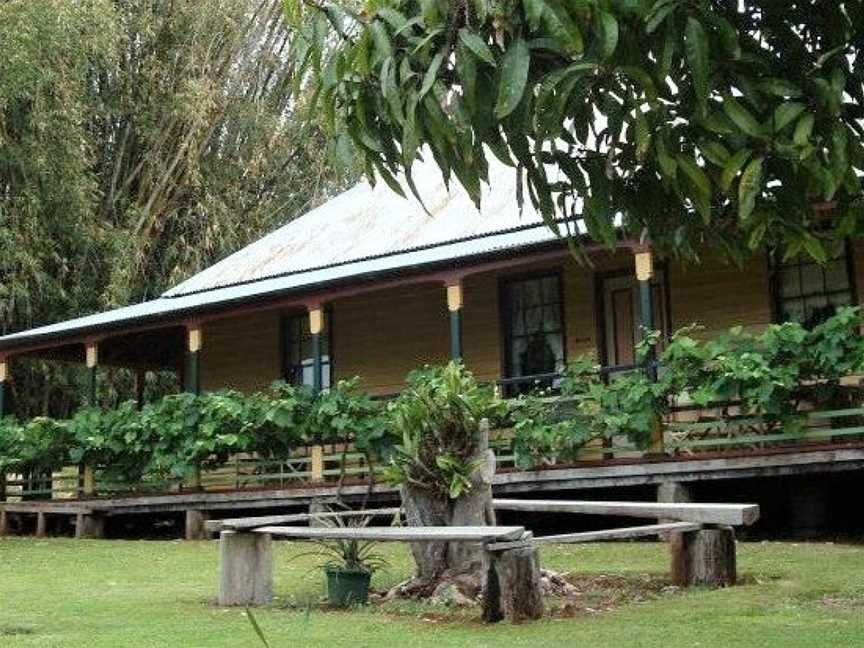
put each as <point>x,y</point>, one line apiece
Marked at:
<point>596,474</point>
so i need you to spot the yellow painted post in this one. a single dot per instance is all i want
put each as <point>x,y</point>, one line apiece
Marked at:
<point>89,485</point>
<point>644,262</point>
<point>316,329</point>
<point>317,463</point>
<point>454,305</point>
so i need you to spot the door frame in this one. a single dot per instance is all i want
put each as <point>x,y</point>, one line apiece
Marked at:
<point>600,279</point>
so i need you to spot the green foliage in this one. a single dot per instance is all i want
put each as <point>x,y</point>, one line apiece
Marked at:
<point>436,420</point>
<point>768,373</point>
<point>179,434</point>
<point>139,143</point>
<point>732,124</point>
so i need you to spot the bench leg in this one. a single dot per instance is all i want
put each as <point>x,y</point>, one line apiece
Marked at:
<point>513,589</point>
<point>704,557</point>
<point>41,525</point>
<point>89,526</point>
<point>195,521</point>
<point>4,523</point>
<point>245,568</point>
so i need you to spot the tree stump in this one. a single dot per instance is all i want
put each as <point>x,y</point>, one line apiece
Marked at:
<point>474,508</point>
<point>245,568</point>
<point>512,590</point>
<point>705,557</point>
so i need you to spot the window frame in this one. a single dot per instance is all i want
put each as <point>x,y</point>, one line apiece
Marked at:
<point>775,271</point>
<point>505,285</point>
<point>288,371</point>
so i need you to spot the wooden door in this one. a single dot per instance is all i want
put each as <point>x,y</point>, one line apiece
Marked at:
<point>622,314</point>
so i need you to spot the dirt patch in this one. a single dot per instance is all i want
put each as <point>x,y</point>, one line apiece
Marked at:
<point>591,594</point>
<point>841,602</point>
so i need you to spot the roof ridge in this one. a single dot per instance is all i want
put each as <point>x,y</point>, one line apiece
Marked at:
<point>360,259</point>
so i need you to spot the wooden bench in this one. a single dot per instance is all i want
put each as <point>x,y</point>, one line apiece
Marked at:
<point>246,562</point>
<point>701,538</point>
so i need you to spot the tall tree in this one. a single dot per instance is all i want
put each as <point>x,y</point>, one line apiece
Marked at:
<point>140,141</point>
<point>690,122</point>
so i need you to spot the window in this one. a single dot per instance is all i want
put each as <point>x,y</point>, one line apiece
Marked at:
<point>534,327</point>
<point>298,360</point>
<point>810,293</point>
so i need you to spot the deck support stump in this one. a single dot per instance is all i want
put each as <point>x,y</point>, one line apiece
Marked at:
<point>245,568</point>
<point>90,527</point>
<point>41,525</point>
<point>195,525</point>
<point>705,557</point>
<point>512,590</point>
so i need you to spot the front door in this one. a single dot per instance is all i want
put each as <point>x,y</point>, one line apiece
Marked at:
<point>622,316</point>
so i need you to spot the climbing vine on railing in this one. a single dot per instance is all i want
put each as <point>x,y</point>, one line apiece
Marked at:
<point>768,374</point>
<point>175,437</point>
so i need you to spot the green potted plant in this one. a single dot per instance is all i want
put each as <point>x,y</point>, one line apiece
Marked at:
<point>349,564</point>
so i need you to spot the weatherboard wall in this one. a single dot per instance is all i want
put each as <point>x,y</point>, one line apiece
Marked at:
<point>381,336</point>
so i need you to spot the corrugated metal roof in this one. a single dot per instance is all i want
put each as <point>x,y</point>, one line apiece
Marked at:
<point>368,222</point>
<point>362,232</point>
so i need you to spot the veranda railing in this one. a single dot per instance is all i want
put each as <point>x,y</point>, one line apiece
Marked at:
<point>687,432</point>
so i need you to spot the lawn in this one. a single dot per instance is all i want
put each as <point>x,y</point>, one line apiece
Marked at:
<point>96,594</point>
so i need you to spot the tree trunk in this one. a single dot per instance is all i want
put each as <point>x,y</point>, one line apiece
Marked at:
<point>513,589</point>
<point>705,557</point>
<point>436,560</point>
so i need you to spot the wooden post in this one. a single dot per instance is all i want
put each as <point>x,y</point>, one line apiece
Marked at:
<point>316,328</point>
<point>89,526</point>
<point>644,274</point>
<point>316,463</point>
<point>512,590</point>
<point>196,525</point>
<point>4,378</point>
<point>454,305</point>
<point>140,384</point>
<point>192,373</point>
<point>704,557</point>
<point>89,480</point>
<point>91,352</point>
<point>41,525</point>
<point>4,523</point>
<point>245,568</point>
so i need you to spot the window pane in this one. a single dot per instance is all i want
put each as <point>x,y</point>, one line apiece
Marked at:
<point>552,318</point>
<point>812,279</point>
<point>551,293</point>
<point>809,293</point>
<point>535,327</point>
<point>534,320</point>
<point>790,283</point>
<point>836,275</point>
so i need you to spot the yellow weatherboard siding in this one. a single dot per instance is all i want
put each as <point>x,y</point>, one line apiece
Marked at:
<point>241,353</point>
<point>383,335</point>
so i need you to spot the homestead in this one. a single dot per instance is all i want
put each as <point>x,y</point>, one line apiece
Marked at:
<point>369,284</point>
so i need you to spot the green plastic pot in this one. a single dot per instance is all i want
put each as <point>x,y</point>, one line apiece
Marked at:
<point>347,588</point>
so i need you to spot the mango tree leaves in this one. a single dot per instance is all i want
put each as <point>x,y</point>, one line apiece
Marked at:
<point>674,120</point>
<point>514,77</point>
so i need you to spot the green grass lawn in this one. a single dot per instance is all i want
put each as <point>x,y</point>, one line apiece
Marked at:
<point>114,594</point>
